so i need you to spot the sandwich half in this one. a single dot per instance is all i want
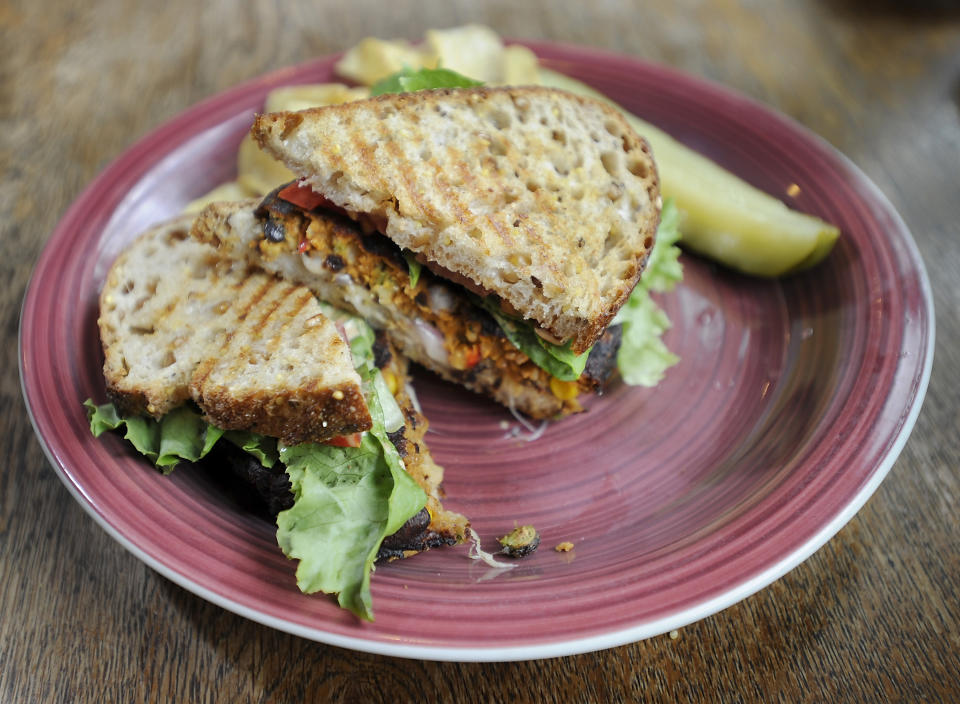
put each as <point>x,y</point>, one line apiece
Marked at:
<point>207,359</point>
<point>434,322</point>
<point>179,323</point>
<point>526,214</point>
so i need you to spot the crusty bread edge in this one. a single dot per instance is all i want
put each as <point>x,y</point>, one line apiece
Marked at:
<point>132,401</point>
<point>582,333</point>
<point>294,416</point>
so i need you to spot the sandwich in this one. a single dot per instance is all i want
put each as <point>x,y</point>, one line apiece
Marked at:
<point>208,360</point>
<point>492,233</point>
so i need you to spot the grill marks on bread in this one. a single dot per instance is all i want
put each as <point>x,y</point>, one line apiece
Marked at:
<point>369,282</point>
<point>549,200</point>
<point>179,323</point>
<point>257,379</point>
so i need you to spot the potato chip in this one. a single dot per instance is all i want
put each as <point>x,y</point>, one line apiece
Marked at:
<point>374,59</point>
<point>311,95</point>
<point>232,190</point>
<point>472,50</point>
<point>520,67</point>
<point>257,171</point>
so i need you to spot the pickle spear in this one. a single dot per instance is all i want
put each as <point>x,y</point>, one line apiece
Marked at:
<point>723,217</point>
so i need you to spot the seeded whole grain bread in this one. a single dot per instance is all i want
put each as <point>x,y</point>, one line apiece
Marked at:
<point>178,322</point>
<point>236,230</point>
<point>433,527</point>
<point>548,200</point>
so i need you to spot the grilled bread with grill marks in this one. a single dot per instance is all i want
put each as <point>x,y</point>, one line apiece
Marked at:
<point>433,527</point>
<point>431,321</point>
<point>546,199</point>
<point>178,322</point>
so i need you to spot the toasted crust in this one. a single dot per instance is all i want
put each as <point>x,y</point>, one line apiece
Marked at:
<point>432,527</point>
<point>177,322</point>
<point>548,200</point>
<point>377,289</point>
<point>271,375</point>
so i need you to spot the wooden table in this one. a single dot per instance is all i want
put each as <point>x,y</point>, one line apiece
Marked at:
<point>872,616</point>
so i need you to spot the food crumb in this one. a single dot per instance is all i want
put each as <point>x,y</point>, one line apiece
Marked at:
<point>793,190</point>
<point>674,634</point>
<point>565,546</point>
<point>519,542</point>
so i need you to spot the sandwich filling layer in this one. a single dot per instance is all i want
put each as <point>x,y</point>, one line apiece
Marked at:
<point>431,320</point>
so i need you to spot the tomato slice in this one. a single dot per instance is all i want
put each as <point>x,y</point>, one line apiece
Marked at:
<point>351,440</point>
<point>473,357</point>
<point>303,196</point>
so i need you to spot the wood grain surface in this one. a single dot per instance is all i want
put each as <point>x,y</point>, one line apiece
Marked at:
<point>873,616</point>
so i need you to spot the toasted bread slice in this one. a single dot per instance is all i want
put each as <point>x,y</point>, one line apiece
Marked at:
<point>546,199</point>
<point>178,322</point>
<point>430,322</point>
<point>434,526</point>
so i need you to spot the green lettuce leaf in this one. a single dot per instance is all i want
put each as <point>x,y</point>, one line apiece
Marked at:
<point>393,418</point>
<point>347,500</point>
<point>260,446</point>
<point>643,357</point>
<point>180,435</point>
<point>664,270</point>
<point>558,360</point>
<point>362,337</point>
<point>413,267</point>
<point>408,80</point>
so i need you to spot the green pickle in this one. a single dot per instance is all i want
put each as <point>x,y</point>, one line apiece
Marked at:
<point>721,216</point>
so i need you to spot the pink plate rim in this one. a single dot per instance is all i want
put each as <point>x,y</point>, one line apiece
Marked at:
<point>101,199</point>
